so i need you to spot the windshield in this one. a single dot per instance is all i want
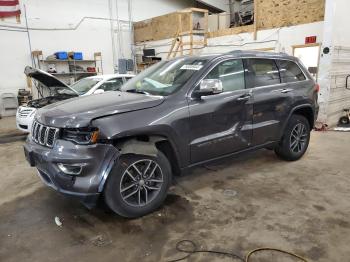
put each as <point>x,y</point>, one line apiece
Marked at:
<point>165,78</point>
<point>64,91</point>
<point>85,84</point>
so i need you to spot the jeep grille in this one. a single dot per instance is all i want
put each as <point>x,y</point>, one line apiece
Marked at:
<point>44,135</point>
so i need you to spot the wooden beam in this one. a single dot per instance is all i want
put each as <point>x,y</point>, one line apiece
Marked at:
<point>255,34</point>
<point>177,49</point>
<point>181,47</point>
<point>173,43</point>
<point>191,34</point>
<point>206,25</point>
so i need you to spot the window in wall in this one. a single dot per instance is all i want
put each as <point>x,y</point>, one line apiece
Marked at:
<point>112,84</point>
<point>261,72</point>
<point>231,74</point>
<point>290,71</point>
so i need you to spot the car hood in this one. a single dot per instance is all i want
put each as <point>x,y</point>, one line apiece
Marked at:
<point>78,112</point>
<point>48,80</point>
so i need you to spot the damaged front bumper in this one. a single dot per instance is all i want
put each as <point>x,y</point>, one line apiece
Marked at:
<point>94,162</point>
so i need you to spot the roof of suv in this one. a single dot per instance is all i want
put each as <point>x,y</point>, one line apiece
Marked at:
<point>245,54</point>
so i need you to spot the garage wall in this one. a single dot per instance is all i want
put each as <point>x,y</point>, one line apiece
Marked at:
<point>278,40</point>
<point>335,65</point>
<point>60,25</point>
<point>277,13</point>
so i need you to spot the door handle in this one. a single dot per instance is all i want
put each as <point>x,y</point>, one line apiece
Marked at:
<point>286,90</point>
<point>244,97</point>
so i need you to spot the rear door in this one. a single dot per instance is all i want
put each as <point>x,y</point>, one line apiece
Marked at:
<point>218,122</point>
<point>270,100</point>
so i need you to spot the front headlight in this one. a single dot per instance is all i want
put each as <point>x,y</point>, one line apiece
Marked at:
<point>81,136</point>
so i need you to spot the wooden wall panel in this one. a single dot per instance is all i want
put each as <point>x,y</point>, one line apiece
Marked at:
<point>162,27</point>
<point>232,31</point>
<point>278,13</point>
<point>270,13</point>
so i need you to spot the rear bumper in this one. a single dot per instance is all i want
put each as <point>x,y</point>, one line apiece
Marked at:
<point>97,161</point>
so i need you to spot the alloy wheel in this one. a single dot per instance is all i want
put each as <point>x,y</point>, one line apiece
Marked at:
<point>298,138</point>
<point>141,182</point>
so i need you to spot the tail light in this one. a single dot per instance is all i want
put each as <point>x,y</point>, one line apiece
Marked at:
<point>317,88</point>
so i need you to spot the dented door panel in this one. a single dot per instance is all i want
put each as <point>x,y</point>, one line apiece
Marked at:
<point>218,125</point>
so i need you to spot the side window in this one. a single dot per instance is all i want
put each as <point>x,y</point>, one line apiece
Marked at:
<point>261,72</point>
<point>231,74</point>
<point>290,71</point>
<point>112,84</point>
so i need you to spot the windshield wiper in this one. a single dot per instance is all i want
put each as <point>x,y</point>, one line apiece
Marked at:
<point>137,91</point>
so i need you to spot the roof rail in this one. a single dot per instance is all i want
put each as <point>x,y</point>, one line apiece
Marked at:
<point>253,52</point>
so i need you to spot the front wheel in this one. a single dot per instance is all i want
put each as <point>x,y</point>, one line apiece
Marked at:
<point>295,139</point>
<point>138,184</point>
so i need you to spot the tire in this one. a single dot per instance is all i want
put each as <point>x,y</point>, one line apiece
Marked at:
<point>344,120</point>
<point>293,144</point>
<point>124,180</point>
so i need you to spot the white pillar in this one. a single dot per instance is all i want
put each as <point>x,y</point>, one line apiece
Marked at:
<point>334,66</point>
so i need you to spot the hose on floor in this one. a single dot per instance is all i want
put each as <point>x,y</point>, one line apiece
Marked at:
<point>193,249</point>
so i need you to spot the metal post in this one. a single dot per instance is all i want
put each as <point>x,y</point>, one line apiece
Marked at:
<point>28,34</point>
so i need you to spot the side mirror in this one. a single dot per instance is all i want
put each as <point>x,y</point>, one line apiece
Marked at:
<point>99,91</point>
<point>208,87</point>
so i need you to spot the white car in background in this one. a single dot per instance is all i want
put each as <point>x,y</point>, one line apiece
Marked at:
<point>53,90</point>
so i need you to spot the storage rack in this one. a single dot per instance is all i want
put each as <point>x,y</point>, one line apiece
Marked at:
<point>42,64</point>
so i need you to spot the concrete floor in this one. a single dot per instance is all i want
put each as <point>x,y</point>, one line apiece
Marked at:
<point>299,206</point>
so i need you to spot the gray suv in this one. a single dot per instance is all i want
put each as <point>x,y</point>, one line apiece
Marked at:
<point>125,145</point>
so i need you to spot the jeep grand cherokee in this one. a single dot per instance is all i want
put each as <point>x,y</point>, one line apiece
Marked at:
<point>126,145</point>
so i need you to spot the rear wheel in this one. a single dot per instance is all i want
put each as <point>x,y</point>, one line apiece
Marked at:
<point>138,184</point>
<point>295,139</point>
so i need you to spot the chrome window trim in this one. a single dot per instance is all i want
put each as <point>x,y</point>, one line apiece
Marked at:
<point>189,94</point>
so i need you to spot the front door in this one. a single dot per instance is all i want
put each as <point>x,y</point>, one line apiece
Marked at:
<point>219,124</point>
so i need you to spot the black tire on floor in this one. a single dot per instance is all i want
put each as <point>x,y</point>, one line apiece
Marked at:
<point>284,149</point>
<point>114,197</point>
<point>344,120</point>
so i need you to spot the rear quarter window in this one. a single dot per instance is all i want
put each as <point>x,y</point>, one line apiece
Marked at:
<point>290,71</point>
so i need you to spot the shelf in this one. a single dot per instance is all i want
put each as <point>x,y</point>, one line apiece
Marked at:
<point>68,60</point>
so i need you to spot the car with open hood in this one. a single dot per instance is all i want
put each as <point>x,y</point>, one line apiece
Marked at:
<point>51,90</point>
<point>125,146</point>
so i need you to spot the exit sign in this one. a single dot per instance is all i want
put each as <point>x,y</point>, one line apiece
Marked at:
<point>310,39</point>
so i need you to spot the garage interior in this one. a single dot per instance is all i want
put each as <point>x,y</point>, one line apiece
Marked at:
<point>218,210</point>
